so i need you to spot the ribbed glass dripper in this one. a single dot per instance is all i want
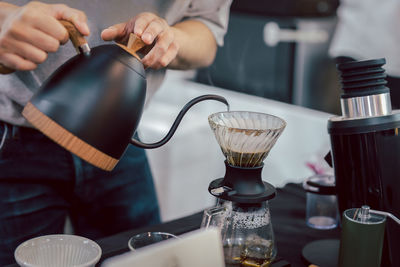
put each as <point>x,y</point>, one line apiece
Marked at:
<point>246,137</point>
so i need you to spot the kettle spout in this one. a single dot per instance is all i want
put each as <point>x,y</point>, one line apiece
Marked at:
<point>179,119</point>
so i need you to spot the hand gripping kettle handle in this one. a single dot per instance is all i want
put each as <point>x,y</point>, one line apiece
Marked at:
<point>178,120</point>
<point>75,36</point>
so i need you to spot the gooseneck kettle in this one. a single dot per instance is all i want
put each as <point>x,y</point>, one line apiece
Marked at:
<point>93,103</point>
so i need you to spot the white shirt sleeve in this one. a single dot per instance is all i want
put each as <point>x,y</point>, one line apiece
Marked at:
<point>213,13</point>
<point>369,29</point>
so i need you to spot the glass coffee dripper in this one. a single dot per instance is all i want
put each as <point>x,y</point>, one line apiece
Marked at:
<point>242,213</point>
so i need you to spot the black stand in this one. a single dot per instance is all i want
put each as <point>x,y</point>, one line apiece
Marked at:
<point>323,252</point>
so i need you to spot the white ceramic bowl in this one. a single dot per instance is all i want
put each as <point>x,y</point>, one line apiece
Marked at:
<point>58,250</point>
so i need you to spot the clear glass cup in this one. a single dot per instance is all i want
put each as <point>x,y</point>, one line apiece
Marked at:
<point>148,238</point>
<point>321,208</point>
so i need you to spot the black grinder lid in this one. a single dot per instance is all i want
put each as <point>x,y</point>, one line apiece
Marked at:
<point>336,125</point>
<point>363,78</point>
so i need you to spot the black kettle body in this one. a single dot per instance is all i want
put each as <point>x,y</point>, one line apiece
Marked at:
<point>107,87</point>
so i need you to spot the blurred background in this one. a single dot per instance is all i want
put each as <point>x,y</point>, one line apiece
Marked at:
<point>275,60</point>
<point>279,50</point>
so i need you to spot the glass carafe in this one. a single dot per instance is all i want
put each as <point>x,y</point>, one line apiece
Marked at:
<point>246,232</point>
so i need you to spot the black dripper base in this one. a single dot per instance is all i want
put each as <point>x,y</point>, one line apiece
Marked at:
<point>242,185</point>
<point>323,252</point>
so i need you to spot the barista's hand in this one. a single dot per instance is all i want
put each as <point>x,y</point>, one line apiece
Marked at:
<point>29,32</point>
<point>150,28</point>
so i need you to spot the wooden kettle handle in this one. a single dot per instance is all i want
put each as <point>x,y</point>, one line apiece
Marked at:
<point>135,45</point>
<point>5,70</point>
<point>75,36</point>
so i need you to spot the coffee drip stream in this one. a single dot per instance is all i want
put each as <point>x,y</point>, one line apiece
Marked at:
<point>242,213</point>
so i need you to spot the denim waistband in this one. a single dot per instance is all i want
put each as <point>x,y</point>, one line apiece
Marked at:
<point>3,134</point>
<point>8,130</point>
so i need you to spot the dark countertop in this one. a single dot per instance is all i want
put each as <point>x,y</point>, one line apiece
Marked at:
<point>288,220</point>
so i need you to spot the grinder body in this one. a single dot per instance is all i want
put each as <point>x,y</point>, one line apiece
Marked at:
<point>365,144</point>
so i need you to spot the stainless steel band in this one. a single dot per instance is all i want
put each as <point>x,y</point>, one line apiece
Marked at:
<point>366,106</point>
<point>85,49</point>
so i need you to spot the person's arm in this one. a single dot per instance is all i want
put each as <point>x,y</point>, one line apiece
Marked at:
<point>188,44</point>
<point>29,32</point>
<point>197,45</point>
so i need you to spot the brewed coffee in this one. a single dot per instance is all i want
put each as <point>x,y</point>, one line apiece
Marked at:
<point>247,160</point>
<point>254,255</point>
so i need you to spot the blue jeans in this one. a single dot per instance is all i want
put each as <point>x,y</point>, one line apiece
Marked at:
<point>41,183</point>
